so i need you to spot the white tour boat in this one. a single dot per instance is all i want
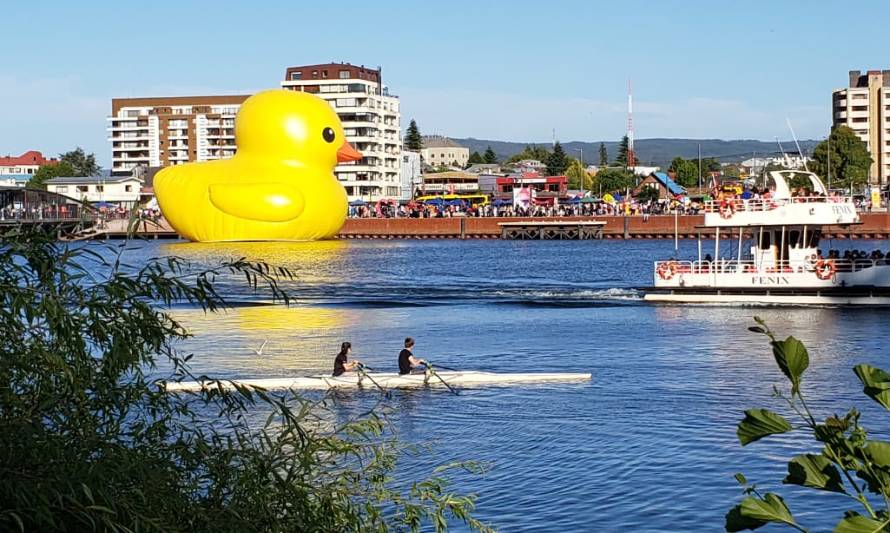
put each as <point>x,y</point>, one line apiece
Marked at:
<point>774,255</point>
<point>382,380</point>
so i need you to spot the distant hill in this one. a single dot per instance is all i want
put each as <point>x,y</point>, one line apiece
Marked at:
<point>659,152</point>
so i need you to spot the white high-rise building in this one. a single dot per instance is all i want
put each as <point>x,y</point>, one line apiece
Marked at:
<point>864,106</point>
<point>371,120</point>
<point>162,131</point>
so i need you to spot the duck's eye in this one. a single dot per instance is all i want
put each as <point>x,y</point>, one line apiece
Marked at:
<point>329,134</point>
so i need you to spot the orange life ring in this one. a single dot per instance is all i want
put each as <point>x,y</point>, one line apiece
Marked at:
<point>825,269</point>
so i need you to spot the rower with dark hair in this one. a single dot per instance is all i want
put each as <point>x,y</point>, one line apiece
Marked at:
<point>407,361</point>
<point>341,364</point>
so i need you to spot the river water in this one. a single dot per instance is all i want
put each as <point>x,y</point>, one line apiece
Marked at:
<point>648,445</point>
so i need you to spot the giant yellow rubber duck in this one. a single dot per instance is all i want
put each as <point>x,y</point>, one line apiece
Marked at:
<point>278,186</point>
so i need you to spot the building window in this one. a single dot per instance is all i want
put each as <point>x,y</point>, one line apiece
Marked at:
<point>324,73</point>
<point>344,74</point>
<point>314,73</point>
<point>128,188</point>
<point>83,188</point>
<point>100,188</point>
<point>296,75</point>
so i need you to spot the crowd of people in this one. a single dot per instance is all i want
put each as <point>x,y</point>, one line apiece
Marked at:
<point>42,211</point>
<point>557,209</point>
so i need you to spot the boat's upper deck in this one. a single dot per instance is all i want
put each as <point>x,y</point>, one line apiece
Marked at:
<point>782,205</point>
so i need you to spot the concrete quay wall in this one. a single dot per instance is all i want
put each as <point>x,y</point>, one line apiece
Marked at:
<point>874,226</point>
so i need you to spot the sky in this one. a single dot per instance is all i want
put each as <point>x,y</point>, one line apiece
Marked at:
<point>515,71</point>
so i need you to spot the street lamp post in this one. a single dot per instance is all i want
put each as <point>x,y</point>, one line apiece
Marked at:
<point>581,177</point>
<point>581,159</point>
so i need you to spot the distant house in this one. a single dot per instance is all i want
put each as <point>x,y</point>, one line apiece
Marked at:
<point>443,152</point>
<point>530,165</point>
<point>485,168</point>
<point>121,190</point>
<point>667,188</point>
<point>27,163</point>
<point>14,180</point>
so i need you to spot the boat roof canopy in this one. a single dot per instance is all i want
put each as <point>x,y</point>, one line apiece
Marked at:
<point>780,180</point>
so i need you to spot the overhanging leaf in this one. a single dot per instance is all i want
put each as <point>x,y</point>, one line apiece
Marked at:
<point>878,452</point>
<point>792,357</point>
<point>814,471</point>
<point>735,521</point>
<point>876,383</point>
<point>856,523</point>
<point>754,512</point>
<point>759,423</point>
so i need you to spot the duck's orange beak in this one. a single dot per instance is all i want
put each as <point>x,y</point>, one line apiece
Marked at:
<point>347,153</point>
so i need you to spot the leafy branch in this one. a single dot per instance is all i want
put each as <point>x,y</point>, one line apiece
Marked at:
<point>849,463</point>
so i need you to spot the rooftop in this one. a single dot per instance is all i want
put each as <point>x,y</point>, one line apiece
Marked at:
<point>672,186</point>
<point>88,180</point>
<point>435,141</point>
<point>331,71</point>
<point>31,157</point>
<point>18,178</point>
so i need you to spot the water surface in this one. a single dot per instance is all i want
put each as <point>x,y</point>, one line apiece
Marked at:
<point>648,445</point>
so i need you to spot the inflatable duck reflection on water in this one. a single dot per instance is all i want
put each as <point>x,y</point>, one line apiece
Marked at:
<point>278,186</point>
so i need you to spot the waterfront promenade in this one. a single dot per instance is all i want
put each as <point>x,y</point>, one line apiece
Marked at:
<point>874,226</point>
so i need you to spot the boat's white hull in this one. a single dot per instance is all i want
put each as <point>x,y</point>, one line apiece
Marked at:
<point>767,299</point>
<point>387,381</point>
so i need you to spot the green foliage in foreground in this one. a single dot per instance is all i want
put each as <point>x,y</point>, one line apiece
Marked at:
<point>849,463</point>
<point>89,441</point>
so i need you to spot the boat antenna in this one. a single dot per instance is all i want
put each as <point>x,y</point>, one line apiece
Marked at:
<point>799,152</point>
<point>784,156</point>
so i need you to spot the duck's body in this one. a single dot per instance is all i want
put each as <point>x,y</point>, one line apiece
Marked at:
<point>280,184</point>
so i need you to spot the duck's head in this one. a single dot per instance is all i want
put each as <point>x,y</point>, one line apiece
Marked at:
<point>292,126</point>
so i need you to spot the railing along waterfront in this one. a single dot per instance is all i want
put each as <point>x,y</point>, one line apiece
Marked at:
<point>734,266</point>
<point>768,204</point>
<point>46,214</point>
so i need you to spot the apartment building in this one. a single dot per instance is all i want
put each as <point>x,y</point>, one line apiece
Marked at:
<point>163,131</point>
<point>371,120</point>
<point>443,152</point>
<point>864,106</point>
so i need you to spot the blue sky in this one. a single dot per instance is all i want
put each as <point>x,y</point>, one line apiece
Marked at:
<point>499,70</point>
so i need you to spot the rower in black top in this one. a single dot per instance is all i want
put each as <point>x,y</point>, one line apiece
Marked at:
<point>407,361</point>
<point>341,364</point>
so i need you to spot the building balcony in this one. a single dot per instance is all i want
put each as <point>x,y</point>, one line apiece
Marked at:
<point>840,115</point>
<point>362,138</point>
<point>127,127</point>
<point>141,148</point>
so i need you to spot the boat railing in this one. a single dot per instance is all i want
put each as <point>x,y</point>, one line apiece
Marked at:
<point>733,205</point>
<point>667,269</point>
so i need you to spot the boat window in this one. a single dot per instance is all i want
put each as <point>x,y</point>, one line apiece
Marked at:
<point>794,238</point>
<point>765,240</point>
<point>814,236</point>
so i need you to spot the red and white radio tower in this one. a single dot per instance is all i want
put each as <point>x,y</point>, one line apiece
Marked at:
<point>631,157</point>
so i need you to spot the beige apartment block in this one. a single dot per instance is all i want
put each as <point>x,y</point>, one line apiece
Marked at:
<point>163,131</point>
<point>864,106</point>
<point>371,120</point>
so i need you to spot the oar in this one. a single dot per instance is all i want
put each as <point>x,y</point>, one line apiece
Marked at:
<point>361,369</point>
<point>447,368</point>
<point>429,368</point>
